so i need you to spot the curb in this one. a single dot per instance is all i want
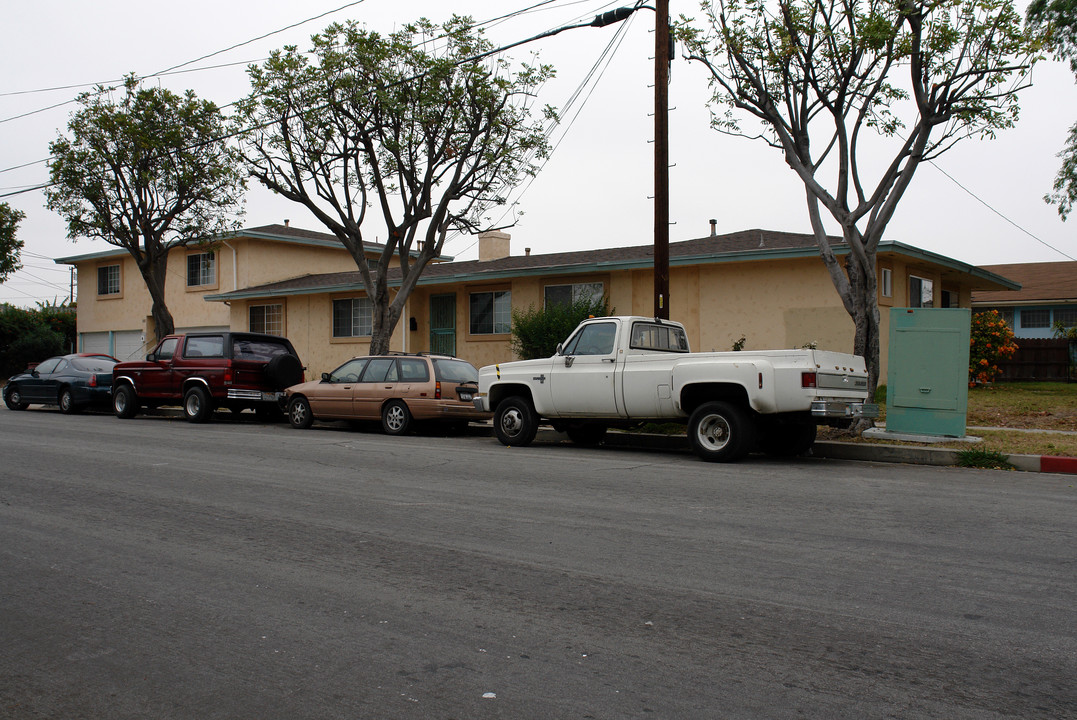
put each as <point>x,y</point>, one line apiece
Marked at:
<point>837,450</point>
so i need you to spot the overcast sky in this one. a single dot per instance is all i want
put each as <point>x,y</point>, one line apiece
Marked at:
<point>593,192</point>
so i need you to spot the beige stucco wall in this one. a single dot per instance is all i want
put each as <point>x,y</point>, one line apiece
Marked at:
<point>774,303</point>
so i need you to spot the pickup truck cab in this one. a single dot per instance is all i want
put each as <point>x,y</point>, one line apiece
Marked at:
<point>621,371</point>
<point>204,371</point>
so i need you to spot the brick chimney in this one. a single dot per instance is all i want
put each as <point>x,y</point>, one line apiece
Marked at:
<point>493,245</point>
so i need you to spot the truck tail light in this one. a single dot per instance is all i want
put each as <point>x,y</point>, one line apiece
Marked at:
<point>437,390</point>
<point>808,380</point>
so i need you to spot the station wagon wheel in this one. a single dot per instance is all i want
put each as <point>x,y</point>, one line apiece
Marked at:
<point>125,402</point>
<point>13,399</point>
<point>196,405</point>
<point>67,402</point>
<point>515,421</point>
<point>720,432</point>
<point>395,417</point>
<point>299,413</point>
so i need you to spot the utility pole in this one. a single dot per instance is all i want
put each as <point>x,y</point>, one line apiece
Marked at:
<point>661,159</point>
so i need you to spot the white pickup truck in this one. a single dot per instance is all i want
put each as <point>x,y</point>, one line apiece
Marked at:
<point>621,371</point>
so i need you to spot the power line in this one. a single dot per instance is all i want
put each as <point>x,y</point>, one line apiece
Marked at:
<point>992,209</point>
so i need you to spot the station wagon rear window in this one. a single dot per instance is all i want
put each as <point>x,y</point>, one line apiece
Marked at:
<point>652,336</point>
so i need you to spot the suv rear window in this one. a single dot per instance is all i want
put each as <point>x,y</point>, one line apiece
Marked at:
<point>252,349</point>
<point>455,371</point>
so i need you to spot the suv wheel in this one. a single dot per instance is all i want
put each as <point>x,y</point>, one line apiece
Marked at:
<point>395,417</point>
<point>196,405</point>
<point>125,402</point>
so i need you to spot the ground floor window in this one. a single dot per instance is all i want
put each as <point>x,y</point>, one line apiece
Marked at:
<point>353,317</point>
<point>268,319</point>
<point>573,293</point>
<point>490,313</point>
<point>921,292</point>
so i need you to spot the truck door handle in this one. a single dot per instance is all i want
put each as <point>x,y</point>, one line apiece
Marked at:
<point>609,360</point>
<point>925,390</point>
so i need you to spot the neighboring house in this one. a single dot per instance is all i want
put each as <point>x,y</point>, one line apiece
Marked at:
<point>1047,294</point>
<point>114,305</point>
<point>768,287</point>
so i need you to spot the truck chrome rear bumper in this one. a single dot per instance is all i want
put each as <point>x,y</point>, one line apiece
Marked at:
<point>843,409</point>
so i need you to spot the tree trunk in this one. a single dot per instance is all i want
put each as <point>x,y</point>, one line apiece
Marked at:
<point>154,273</point>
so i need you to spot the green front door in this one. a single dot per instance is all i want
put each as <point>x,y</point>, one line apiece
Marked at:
<point>443,324</point>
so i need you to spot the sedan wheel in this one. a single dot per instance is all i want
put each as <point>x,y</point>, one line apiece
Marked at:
<point>299,414</point>
<point>395,418</point>
<point>67,402</point>
<point>13,399</point>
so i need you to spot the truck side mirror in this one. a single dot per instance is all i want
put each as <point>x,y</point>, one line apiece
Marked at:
<point>151,357</point>
<point>560,347</point>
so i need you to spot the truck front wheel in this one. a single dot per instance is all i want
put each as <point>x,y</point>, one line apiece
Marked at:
<point>720,432</point>
<point>515,421</point>
<point>196,405</point>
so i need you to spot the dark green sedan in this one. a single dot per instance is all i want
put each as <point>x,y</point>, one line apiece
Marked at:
<point>72,382</point>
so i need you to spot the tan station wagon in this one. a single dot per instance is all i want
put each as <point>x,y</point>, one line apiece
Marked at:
<point>396,389</point>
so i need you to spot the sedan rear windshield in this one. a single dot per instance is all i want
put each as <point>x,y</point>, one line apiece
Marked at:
<point>455,371</point>
<point>93,364</point>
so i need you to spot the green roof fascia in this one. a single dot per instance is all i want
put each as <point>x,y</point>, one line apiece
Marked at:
<point>637,264</point>
<point>274,237</point>
<point>948,262</point>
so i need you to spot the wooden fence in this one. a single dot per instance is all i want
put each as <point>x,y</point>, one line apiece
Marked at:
<point>1037,359</point>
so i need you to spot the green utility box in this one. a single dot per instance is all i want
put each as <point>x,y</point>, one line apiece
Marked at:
<point>927,388</point>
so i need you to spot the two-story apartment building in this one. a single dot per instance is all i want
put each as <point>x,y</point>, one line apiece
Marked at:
<point>770,288</point>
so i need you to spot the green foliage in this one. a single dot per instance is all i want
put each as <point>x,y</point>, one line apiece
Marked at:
<point>148,172</point>
<point>28,336</point>
<point>1061,331</point>
<point>978,458</point>
<point>1055,23</point>
<point>991,341</point>
<point>739,344</point>
<point>536,332</point>
<point>809,77</point>
<point>10,246</point>
<point>426,126</point>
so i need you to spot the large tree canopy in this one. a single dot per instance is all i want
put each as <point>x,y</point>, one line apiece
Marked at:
<point>147,173</point>
<point>820,75</point>
<point>1055,22</point>
<point>10,246</point>
<point>410,124</point>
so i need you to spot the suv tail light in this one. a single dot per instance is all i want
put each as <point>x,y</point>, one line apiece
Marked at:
<point>808,380</point>
<point>229,373</point>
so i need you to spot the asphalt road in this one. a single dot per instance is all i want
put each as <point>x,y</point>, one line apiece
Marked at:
<point>152,568</point>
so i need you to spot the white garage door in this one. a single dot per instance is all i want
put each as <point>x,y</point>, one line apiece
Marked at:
<point>97,342</point>
<point>123,344</point>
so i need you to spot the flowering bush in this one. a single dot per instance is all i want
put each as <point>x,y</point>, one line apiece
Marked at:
<point>990,342</point>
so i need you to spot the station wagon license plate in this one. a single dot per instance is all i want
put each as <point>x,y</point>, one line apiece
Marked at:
<point>466,397</point>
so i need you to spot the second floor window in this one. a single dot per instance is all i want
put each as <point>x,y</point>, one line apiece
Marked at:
<point>108,280</point>
<point>200,269</point>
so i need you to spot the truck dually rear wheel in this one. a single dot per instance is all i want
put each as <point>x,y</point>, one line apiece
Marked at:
<point>720,432</point>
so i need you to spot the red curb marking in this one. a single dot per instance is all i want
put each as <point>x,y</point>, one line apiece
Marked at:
<point>1050,463</point>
